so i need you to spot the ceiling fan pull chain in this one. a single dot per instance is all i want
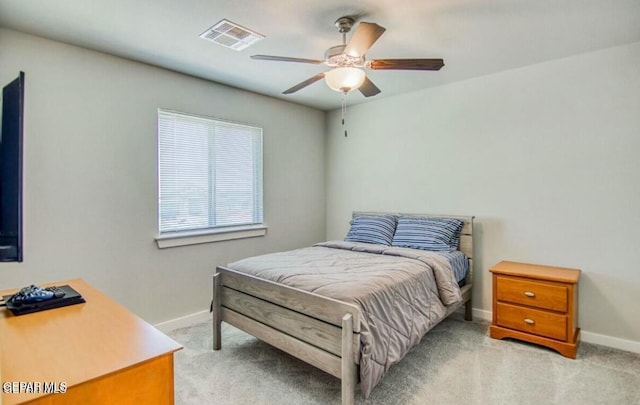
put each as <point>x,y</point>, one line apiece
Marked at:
<point>344,111</point>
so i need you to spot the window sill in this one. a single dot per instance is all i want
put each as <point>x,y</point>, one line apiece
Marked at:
<point>210,235</point>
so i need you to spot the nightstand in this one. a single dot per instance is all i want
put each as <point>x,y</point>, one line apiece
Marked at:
<point>537,304</point>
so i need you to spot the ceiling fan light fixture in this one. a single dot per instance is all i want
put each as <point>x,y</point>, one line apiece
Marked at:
<point>347,61</point>
<point>344,79</point>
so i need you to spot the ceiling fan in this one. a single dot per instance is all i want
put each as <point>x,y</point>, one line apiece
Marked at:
<point>347,61</point>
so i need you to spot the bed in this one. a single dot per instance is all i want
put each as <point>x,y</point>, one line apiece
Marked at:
<point>345,306</point>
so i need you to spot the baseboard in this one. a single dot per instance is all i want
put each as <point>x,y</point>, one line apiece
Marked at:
<point>482,315</point>
<point>585,336</point>
<point>610,341</point>
<point>183,321</point>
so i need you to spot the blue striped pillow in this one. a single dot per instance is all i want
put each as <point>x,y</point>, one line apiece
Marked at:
<point>377,229</point>
<point>428,233</point>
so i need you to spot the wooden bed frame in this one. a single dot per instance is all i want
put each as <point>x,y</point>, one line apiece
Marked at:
<point>321,331</point>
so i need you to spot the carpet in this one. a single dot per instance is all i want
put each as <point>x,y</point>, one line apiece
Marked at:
<point>455,363</point>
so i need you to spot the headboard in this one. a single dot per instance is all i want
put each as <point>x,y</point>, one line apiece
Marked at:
<point>466,235</point>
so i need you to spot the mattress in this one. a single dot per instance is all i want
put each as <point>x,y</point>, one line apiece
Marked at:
<point>459,263</point>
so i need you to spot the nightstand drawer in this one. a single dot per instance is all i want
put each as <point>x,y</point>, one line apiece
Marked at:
<point>537,294</point>
<point>532,321</point>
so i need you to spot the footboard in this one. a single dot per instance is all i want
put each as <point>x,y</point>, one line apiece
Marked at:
<point>321,331</point>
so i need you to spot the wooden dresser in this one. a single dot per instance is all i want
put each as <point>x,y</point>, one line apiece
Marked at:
<point>537,304</point>
<point>92,353</point>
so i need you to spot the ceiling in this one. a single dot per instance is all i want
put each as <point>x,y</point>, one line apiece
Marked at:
<point>474,37</point>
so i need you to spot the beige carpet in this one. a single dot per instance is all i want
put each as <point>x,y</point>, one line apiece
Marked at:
<point>456,363</point>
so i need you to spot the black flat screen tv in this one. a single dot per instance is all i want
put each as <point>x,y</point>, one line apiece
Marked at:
<point>11,171</point>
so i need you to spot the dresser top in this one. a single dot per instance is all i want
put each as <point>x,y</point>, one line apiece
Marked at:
<point>536,271</point>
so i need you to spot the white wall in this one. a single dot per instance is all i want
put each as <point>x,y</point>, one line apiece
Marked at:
<point>545,157</point>
<point>90,199</point>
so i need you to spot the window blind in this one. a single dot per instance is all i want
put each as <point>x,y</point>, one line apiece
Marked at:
<point>210,173</point>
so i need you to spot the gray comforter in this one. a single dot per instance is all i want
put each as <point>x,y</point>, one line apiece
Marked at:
<point>402,293</point>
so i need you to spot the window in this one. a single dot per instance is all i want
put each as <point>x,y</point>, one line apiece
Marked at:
<point>210,178</point>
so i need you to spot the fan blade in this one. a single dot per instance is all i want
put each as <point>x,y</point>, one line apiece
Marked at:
<point>368,89</point>
<point>286,59</point>
<point>304,84</point>
<point>363,38</point>
<point>406,64</point>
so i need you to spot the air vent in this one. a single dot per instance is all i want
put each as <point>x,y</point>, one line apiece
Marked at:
<point>231,35</point>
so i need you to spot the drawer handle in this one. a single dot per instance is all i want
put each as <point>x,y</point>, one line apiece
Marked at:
<point>529,321</point>
<point>529,294</point>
